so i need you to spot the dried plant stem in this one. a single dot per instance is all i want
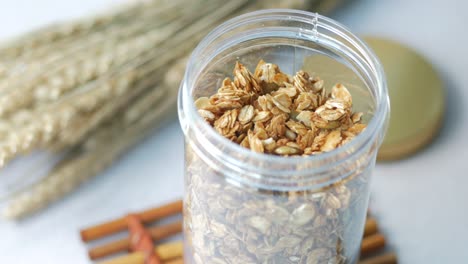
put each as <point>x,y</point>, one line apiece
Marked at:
<point>77,131</point>
<point>143,91</point>
<point>102,149</point>
<point>36,59</point>
<point>44,128</point>
<point>74,70</point>
<point>94,65</point>
<point>86,69</point>
<point>3,72</point>
<point>81,128</point>
<point>59,31</point>
<point>59,82</point>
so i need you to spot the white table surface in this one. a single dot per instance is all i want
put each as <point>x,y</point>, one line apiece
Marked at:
<point>421,202</point>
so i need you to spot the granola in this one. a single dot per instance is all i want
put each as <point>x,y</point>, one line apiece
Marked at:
<point>275,113</point>
<point>270,106</point>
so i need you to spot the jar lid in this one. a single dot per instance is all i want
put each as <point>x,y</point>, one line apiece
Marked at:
<point>416,99</point>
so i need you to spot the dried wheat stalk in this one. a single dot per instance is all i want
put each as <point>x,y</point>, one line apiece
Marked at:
<point>94,42</point>
<point>53,33</point>
<point>136,124</point>
<point>78,131</point>
<point>70,174</point>
<point>102,149</point>
<point>85,67</point>
<point>100,63</point>
<point>75,135</point>
<point>94,65</point>
<point>44,128</point>
<point>62,70</point>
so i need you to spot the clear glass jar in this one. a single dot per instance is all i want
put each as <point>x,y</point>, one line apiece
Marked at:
<point>245,207</point>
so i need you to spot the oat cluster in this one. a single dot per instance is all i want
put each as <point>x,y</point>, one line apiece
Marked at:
<point>272,112</point>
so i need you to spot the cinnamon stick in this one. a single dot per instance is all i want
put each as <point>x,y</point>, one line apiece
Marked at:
<point>165,252</point>
<point>157,233</point>
<point>174,251</point>
<point>176,261</point>
<point>141,240</point>
<point>388,258</point>
<point>370,227</point>
<point>120,224</point>
<point>372,243</point>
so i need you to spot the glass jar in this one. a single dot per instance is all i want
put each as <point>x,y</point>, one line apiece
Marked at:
<point>245,207</point>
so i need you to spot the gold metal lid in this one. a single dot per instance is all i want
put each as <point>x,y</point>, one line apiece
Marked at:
<point>416,98</point>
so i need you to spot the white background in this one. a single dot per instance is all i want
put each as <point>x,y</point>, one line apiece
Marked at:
<point>421,202</point>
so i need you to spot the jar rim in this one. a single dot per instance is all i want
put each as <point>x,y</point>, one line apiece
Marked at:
<point>375,127</point>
